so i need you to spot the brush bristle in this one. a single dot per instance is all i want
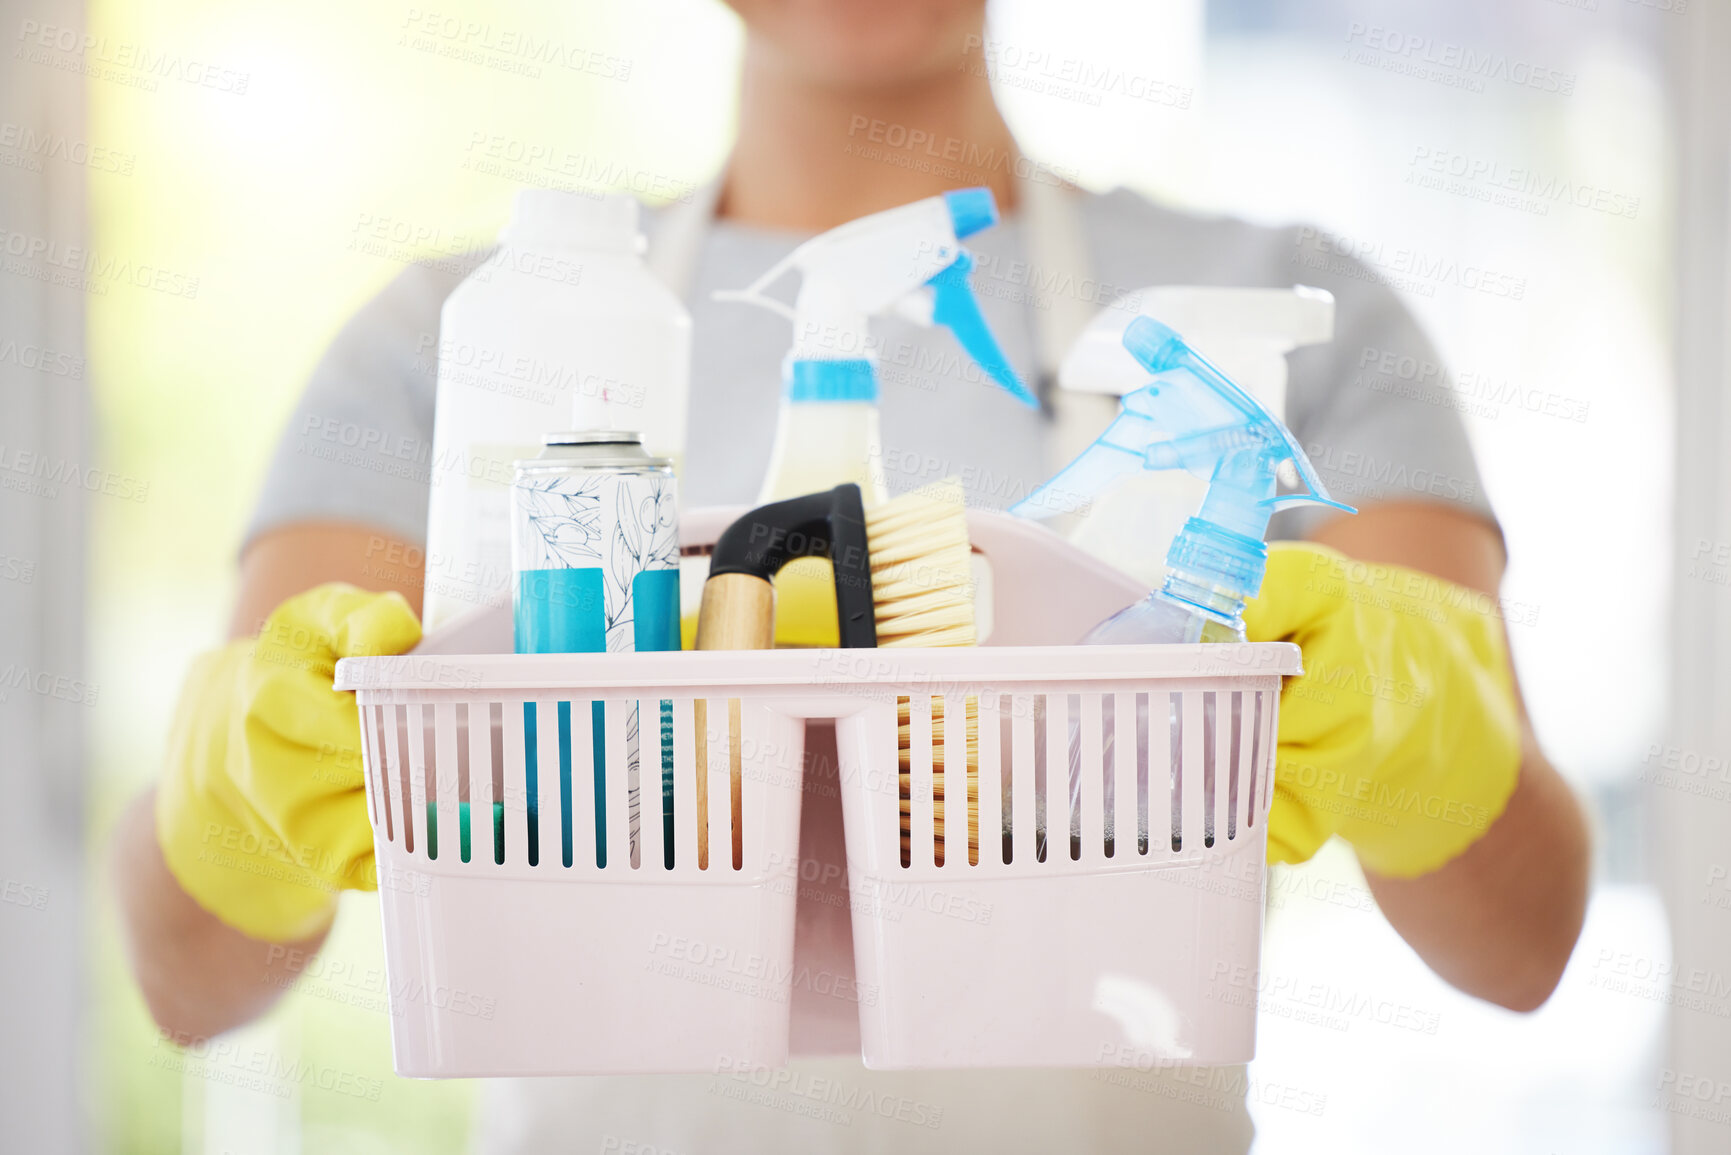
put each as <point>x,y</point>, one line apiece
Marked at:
<point>922,568</point>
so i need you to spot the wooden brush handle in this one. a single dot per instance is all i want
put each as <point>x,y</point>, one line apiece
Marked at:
<point>738,613</point>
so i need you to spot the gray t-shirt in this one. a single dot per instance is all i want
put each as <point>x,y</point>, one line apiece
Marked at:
<point>1372,409</point>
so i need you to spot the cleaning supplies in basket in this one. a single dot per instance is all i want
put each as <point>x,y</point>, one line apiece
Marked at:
<point>1191,416</point>
<point>563,327</point>
<point>595,569</point>
<point>906,260</point>
<point>902,577</point>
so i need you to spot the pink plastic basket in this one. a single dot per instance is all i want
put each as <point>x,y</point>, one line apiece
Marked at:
<point>637,960</point>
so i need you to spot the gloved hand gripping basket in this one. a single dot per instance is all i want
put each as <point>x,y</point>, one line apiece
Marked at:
<point>588,863</point>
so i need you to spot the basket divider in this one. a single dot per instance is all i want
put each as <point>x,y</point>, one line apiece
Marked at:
<point>481,800</point>
<point>1192,818</point>
<point>922,828</point>
<point>1126,818</point>
<point>1019,764</point>
<point>651,828</point>
<point>405,783</point>
<point>545,799</point>
<point>445,785</point>
<point>514,789</point>
<point>991,787</point>
<point>624,745</point>
<point>715,774</point>
<point>1270,750</point>
<point>1054,752</point>
<point>580,748</point>
<point>370,754</point>
<point>1256,705</point>
<point>1091,723</point>
<point>462,796</point>
<point>684,788</point>
<point>1241,781</point>
<point>961,830</point>
<point>417,718</point>
<point>1222,759</point>
<point>388,767</point>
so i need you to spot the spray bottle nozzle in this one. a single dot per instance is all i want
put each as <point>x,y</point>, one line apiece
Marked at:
<point>971,210</point>
<point>1191,416</point>
<point>906,259</point>
<point>954,307</point>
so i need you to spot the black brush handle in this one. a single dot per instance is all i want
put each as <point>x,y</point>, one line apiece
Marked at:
<point>829,525</point>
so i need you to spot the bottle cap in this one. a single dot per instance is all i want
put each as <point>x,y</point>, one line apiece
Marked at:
<point>555,218</point>
<point>1225,559</point>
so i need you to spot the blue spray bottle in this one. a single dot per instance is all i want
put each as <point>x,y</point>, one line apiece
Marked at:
<point>1191,416</point>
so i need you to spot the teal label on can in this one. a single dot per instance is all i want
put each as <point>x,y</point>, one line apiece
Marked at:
<point>597,562</point>
<point>596,555</point>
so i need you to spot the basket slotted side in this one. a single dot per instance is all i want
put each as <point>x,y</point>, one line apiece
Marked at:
<point>1134,953</point>
<point>532,942</point>
<point>1042,941</point>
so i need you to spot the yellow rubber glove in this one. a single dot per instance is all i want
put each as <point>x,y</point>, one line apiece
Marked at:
<point>1402,736</point>
<point>261,812</point>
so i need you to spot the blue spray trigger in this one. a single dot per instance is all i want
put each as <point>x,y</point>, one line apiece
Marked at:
<point>971,209</point>
<point>1293,500</point>
<point>1196,394</point>
<point>954,307</point>
<point>1192,417</point>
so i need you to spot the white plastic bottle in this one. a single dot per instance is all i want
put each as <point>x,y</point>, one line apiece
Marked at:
<point>563,328</point>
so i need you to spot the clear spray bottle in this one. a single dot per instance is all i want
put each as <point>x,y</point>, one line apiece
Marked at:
<point>1191,416</point>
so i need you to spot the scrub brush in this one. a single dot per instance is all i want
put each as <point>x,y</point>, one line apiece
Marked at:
<point>903,577</point>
